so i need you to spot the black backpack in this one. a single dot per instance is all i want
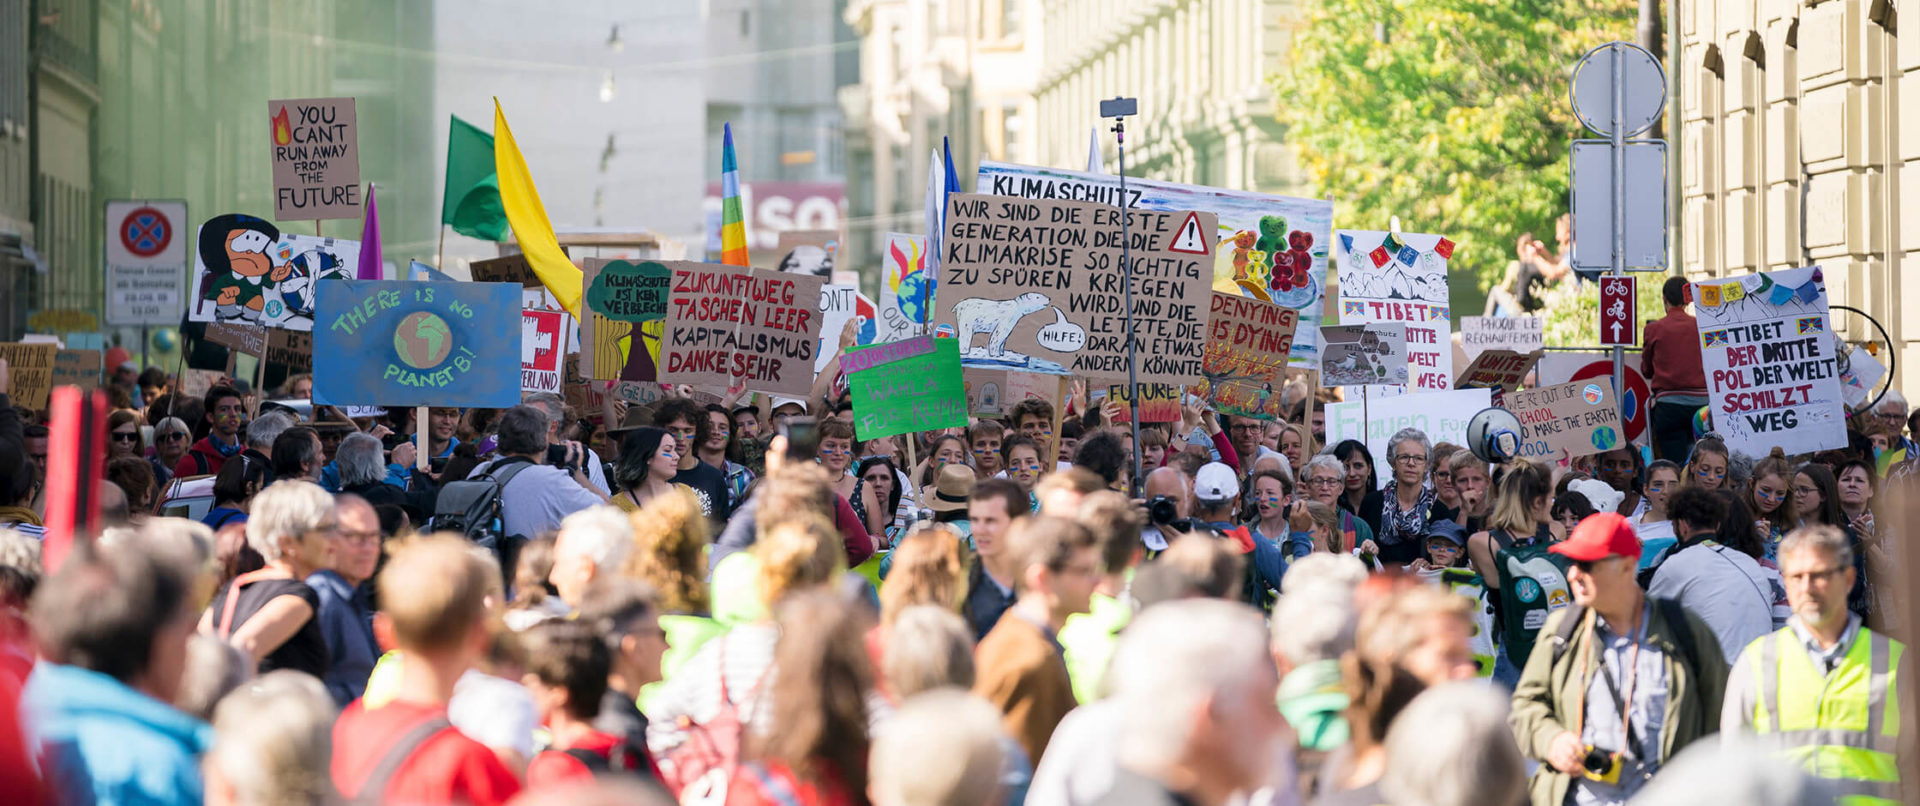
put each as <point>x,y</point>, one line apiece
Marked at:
<point>472,508</point>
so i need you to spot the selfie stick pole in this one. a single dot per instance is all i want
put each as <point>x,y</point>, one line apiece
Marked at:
<point>1126,266</point>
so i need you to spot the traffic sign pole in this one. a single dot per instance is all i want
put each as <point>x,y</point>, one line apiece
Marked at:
<point>1619,136</point>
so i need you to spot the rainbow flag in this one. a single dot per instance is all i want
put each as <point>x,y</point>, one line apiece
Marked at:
<point>733,225</point>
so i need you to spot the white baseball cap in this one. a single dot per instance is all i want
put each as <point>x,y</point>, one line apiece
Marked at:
<point>782,402</point>
<point>1215,482</point>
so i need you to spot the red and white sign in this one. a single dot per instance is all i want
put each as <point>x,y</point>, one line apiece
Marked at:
<point>1619,319</point>
<point>146,262</point>
<point>542,342</point>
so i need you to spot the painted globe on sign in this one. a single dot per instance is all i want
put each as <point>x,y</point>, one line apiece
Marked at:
<point>422,340</point>
<point>912,291</point>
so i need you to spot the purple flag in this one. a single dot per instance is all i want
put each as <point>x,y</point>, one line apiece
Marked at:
<point>370,257</point>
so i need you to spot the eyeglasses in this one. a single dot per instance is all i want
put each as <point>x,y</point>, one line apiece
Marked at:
<point>1443,475</point>
<point>1410,459</point>
<point>1798,490</point>
<point>1324,482</point>
<point>360,537</point>
<point>120,437</point>
<point>1245,429</point>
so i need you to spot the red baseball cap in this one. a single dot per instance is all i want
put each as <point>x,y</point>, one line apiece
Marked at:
<point>1607,534</point>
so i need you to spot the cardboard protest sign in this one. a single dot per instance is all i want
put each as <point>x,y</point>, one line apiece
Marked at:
<point>1567,420</point>
<point>808,251</point>
<point>1442,415</point>
<point>239,336</point>
<point>1768,354</point>
<point>1249,343</point>
<point>316,158</point>
<point>921,392</point>
<point>726,324</point>
<point>1268,248</point>
<point>1503,369</point>
<point>31,369</point>
<point>1158,403</point>
<point>290,348</point>
<point>904,293</point>
<point>1038,286</point>
<point>505,269</point>
<point>1565,366</point>
<point>248,272</point>
<point>625,308</point>
<point>77,368</point>
<point>396,343</point>
<point>1364,355</point>
<point>1401,277</point>
<point>195,383</point>
<point>840,304</point>
<point>542,342</point>
<point>1520,334</point>
<point>986,392</point>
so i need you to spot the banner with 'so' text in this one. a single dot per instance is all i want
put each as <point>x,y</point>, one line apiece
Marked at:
<point>395,343</point>
<point>1767,348</point>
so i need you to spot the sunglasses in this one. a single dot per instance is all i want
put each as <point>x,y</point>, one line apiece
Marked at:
<point>172,435</point>
<point>133,437</point>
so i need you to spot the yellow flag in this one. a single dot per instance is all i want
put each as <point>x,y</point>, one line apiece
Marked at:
<point>528,217</point>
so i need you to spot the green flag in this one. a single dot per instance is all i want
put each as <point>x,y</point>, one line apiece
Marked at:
<point>471,202</point>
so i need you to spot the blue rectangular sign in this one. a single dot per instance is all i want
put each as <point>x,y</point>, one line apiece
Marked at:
<point>395,343</point>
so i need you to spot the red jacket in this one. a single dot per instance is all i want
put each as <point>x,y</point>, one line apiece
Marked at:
<point>1671,358</point>
<point>210,456</point>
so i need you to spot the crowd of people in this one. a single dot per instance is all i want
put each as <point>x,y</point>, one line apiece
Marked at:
<point>738,600</point>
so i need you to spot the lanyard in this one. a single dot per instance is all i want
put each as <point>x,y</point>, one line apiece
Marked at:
<point>1633,669</point>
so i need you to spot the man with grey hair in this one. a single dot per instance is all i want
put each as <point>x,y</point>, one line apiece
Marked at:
<point>593,545</point>
<point>1195,690</point>
<point>1313,626</point>
<point>535,496</point>
<point>1824,691</point>
<point>1173,485</point>
<point>363,474</point>
<point>556,410</point>
<point>1892,411</point>
<point>261,434</point>
<point>941,748</point>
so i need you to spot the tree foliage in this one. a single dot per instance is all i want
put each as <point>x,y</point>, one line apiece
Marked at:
<point>1458,123</point>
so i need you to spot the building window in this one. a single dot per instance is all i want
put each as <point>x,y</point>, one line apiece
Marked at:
<point>1009,18</point>
<point>1013,134</point>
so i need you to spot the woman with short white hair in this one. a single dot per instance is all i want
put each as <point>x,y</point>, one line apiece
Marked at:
<point>273,743</point>
<point>1407,502</point>
<point>269,613</point>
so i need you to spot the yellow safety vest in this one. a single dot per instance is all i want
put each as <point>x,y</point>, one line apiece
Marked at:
<point>1841,726</point>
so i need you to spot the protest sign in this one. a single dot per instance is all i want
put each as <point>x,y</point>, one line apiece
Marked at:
<point>316,158</point>
<point>986,392</point>
<point>1860,374</point>
<point>505,269</point>
<point>146,251</point>
<point>1768,355</point>
<point>1249,343</point>
<point>626,305</point>
<point>1563,366</point>
<point>542,342</point>
<point>1038,286</point>
<point>921,392</point>
<point>1401,277</point>
<point>1520,334</point>
<point>1159,403</point>
<point>858,360</point>
<point>1566,420</point>
<point>726,324</point>
<point>840,304</point>
<point>1269,248</point>
<point>249,272</point>
<point>904,295</point>
<point>1364,355</point>
<point>292,349</point>
<point>240,336</point>
<point>1504,369</point>
<point>77,368</point>
<point>808,251</point>
<point>195,383</point>
<point>1442,415</point>
<point>396,343</point>
<point>31,369</point>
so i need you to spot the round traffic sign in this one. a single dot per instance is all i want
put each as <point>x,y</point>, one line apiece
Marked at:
<point>1633,400</point>
<point>146,232</point>
<point>1642,85</point>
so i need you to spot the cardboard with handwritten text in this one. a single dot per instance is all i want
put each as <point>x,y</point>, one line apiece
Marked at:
<point>316,158</point>
<point>1501,369</point>
<point>1566,420</point>
<point>77,368</point>
<point>1039,286</point>
<point>727,324</point>
<point>31,368</point>
<point>1249,343</point>
<point>1767,348</point>
<point>625,303</point>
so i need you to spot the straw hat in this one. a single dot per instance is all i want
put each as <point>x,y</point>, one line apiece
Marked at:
<point>950,490</point>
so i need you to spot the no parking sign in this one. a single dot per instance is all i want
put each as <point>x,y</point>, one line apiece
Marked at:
<point>146,262</point>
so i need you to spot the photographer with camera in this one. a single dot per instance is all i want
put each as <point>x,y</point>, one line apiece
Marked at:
<point>1618,683</point>
<point>1168,507</point>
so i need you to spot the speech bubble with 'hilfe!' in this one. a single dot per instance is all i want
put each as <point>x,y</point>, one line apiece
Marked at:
<point>1062,336</point>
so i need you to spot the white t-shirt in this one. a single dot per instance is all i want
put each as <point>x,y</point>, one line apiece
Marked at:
<point>493,711</point>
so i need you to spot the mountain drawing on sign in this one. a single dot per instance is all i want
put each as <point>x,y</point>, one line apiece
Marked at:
<point>1394,281</point>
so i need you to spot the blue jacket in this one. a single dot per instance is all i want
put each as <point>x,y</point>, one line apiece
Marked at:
<point>346,621</point>
<point>102,742</point>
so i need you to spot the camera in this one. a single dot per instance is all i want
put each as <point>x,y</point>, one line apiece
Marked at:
<point>1162,511</point>
<point>1600,765</point>
<point>557,456</point>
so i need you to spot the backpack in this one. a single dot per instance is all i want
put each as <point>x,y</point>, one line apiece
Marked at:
<point>697,771</point>
<point>472,508</point>
<point>620,761</point>
<point>1533,583</point>
<point>1675,615</point>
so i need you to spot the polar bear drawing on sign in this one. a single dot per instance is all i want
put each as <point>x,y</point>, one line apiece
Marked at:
<point>995,317</point>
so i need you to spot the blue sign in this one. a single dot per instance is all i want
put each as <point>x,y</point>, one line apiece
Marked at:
<point>394,343</point>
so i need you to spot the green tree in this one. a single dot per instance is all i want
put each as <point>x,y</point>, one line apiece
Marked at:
<point>1458,122</point>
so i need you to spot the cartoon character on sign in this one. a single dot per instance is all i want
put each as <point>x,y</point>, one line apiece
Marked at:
<point>236,250</point>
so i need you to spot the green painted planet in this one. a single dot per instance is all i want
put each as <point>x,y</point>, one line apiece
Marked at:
<point>422,340</point>
<point>912,290</point>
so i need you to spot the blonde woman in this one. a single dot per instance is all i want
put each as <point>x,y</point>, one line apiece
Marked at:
<point>273,743</point>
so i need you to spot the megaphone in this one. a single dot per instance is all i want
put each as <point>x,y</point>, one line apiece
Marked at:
<point>1494,435</point>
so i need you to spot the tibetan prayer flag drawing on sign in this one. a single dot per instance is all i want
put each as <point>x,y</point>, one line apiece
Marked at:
<point>1409,286</point>
<point>1768,355</point>
<point>921,392</point>
<point>396,343</point>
